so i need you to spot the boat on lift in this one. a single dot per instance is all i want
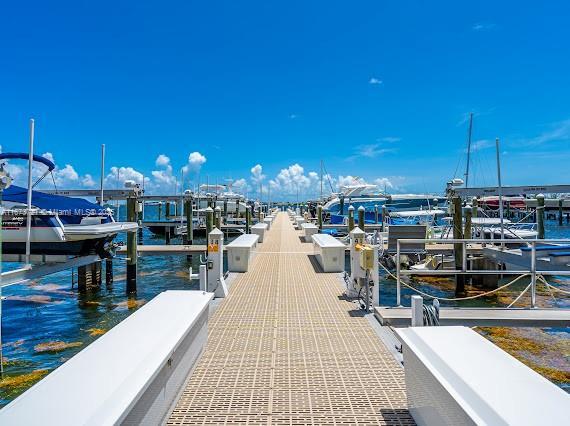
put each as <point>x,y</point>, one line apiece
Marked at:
<point>369,196</point>
<point>60,226</point>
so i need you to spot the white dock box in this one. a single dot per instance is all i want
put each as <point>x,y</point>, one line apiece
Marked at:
<point>329,252</point>
<point>268,221</point>
<point>259,229</point>
<point>241,251</point>
<point>299,220</point>
<point>131,375</point>
<point>454,376</point>
<point>309,230</point>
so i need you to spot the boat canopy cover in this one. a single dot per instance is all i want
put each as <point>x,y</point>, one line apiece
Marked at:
<point>25,156</point>
<point>58,203</point>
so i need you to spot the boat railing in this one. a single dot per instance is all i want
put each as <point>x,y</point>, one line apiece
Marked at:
<point>532,271</point>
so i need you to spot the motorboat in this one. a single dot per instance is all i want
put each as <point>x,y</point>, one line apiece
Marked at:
<point>371,198</point>
<point>59,225</point>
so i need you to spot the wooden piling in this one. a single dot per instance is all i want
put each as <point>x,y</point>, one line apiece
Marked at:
<point>82,278</point>
<point>247,219</point>
<point>384,218</point>
<point>468,215</point>
<point>209,220</point>
<point>237,209</point>
<point>540,216</point>
<point>131,286</point>
<point>474,207</point>
<point>341,205</point>
<point>167,235</point>
<point>167,210</point>
<point>458,247</point>
<point>350,218</point>
<point>108,272</point>
<point>320,217</point>
<point>560,212</point>
<point>361,218</point>
<point>188,209</point>
<point>376,214</point>
<point>225,210</point>
<point>218,217</point>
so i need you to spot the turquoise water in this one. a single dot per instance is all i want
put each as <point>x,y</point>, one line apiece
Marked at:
<point>47,321</point>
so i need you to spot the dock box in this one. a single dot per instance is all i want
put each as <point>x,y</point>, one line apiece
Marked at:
<point>329,252</point>
<point>241,251</point>
<point>259,229</point>
<point>299,220</point>
<point>309,230</point>
<point>131,375</point>
<point>268,221</point>
<point>454,376</point>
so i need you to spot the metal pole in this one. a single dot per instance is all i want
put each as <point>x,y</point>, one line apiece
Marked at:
<point>468,150</point>
<point>398,297</point>
<point>103,173</point>
<point>321,197</point>
<point>533,275</point>
<point>29,204</point>
<point>500,193</point>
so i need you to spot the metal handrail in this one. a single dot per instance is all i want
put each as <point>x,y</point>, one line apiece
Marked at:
<point>464,270</point>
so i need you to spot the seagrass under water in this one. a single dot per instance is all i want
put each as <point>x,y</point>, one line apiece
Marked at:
<point>286,349</point>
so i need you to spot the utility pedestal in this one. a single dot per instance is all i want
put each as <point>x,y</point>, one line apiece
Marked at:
<point>216,282</point>
<point>357,237</point>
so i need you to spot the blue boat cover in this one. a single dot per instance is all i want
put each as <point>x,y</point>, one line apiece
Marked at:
<point>63,205</point>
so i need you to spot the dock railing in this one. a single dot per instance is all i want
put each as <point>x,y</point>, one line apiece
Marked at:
<point>532,271</point>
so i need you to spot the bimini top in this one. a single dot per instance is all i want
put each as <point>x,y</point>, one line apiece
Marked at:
<point>57,203</point>
<point>25,156</point>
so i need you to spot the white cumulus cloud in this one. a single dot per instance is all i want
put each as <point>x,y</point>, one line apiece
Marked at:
<point>162,160</point>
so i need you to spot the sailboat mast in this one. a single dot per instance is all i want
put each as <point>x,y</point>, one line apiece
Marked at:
<point>321,198</point>
<point>468,149</point>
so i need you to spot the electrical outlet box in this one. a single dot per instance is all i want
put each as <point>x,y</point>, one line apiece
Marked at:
<point>367,258</point>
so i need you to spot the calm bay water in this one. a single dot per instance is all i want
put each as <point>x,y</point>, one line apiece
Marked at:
<point>47,321</point>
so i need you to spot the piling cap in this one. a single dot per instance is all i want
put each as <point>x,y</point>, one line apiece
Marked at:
<point>216,232</point>
<point>218,208</point>
<point>356,232</point>
<point>540,196</point>
<point>209,209</point>
<point>351,207</point>
<point>361,209</point>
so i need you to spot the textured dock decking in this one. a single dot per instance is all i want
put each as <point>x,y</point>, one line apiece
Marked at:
<point>285,348</point>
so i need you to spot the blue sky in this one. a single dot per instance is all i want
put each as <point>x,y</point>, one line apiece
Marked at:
<point>377,89</point>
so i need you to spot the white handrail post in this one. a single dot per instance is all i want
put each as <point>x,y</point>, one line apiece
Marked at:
<point>533,275</point>
<point>398,273</point>
<point>103,173</point>
<point>29,204</point>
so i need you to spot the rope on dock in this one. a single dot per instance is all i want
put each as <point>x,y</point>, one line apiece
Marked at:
<point>541,278</point>
<point>448,299</point>
<point>519,296</point>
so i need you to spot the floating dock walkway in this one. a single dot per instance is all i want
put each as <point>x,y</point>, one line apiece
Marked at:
<point>286,348</point>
